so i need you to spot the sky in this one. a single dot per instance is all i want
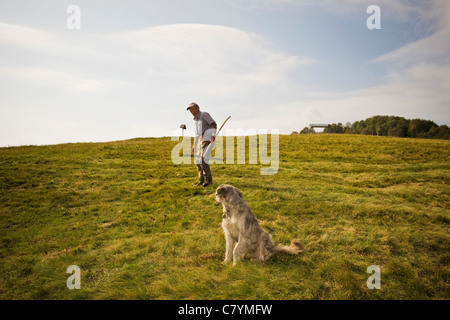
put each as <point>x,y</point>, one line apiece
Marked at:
<point>133,67</point>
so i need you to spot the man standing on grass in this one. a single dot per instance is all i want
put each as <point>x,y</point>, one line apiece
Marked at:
<point>205,132</point>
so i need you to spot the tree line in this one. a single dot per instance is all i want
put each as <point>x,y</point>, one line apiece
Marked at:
<point>391,126</point>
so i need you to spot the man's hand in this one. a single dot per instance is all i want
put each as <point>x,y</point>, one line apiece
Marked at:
<point>214,126</point>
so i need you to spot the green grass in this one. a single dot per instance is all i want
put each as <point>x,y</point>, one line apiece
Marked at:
<point>129,218</point>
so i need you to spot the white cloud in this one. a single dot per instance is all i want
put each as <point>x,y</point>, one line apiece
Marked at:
<point>185,53</point>
<point>24,37</point>
<point>60,79</point>
<point>398,9</point>
<point>433,48</point>
<point>417,81</point>
<point>137,83</point>
<point>162,67</point>
<point>215,56</point>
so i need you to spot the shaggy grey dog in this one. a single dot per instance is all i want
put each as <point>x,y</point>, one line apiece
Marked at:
<point>241,227</point>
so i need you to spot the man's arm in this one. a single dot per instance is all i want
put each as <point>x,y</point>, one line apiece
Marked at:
<point>196,138</point>
<point>213,137</point>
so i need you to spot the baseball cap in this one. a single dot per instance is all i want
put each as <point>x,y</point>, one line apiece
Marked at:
<point>192,104</point>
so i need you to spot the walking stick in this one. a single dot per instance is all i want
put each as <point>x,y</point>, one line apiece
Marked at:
<point>212,144</point>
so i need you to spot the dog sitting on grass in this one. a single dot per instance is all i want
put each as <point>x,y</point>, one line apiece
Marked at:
<point>241,227</point>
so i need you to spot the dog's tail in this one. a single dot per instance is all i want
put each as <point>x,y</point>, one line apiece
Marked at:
<point>296,247</point>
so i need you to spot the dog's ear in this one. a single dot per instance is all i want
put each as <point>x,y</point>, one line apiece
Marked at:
<point>236,190</point>
<point>227,190</point>
<point>221,190</point>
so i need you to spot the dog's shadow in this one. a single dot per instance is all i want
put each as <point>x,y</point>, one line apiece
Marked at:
<point>278,261</point>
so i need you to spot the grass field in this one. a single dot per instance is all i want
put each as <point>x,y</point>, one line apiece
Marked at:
<point>130,219</point>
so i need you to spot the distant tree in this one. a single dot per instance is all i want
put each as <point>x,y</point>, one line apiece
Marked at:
<point>348,130</point>
<point>294,132</point>
<point>401,128</point>
<point>443,133</point>
<point>358,126</point>
<point>334,128</point>
<point>393,126</point>
<point>419,128</point>
<point>307,130</point>
<point>414,128</point>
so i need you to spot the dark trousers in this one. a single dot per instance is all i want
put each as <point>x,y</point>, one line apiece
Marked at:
<point>204,172</point>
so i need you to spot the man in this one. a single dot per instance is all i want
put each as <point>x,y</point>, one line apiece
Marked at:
<point>205,132</point>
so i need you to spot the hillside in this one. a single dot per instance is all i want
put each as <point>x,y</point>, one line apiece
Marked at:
<point>130,219</point>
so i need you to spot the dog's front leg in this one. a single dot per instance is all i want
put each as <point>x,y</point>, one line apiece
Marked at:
<point>239,250</point>
<point>229,247</point>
